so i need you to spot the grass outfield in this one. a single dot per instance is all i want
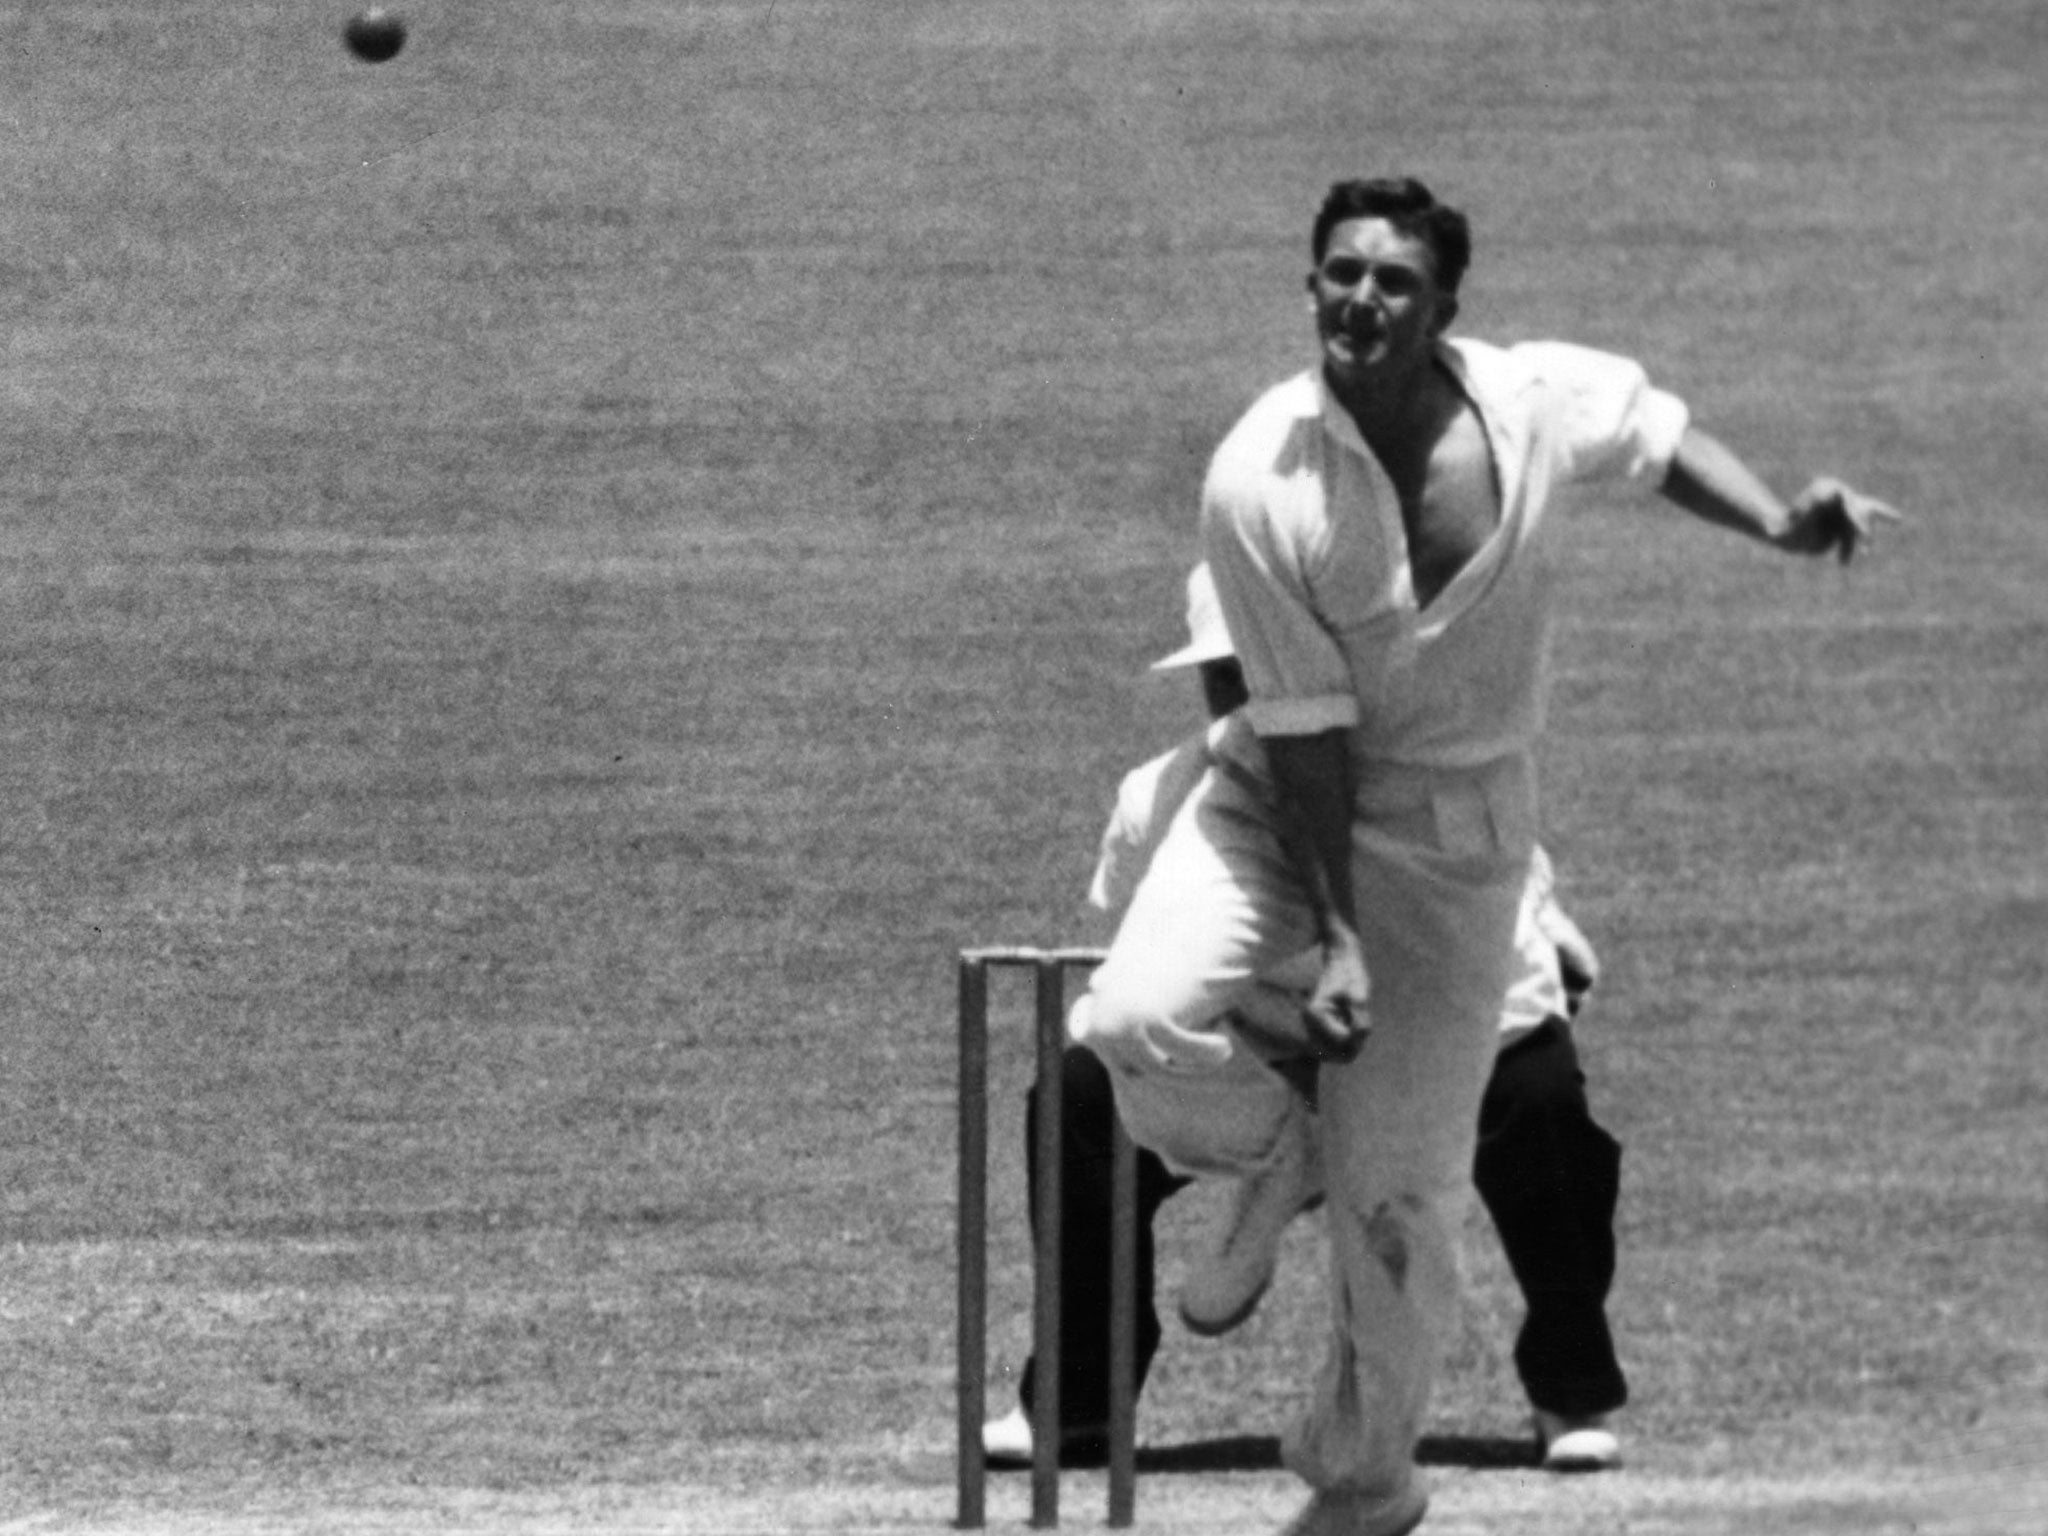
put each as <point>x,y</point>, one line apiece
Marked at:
<point>1530,1505</point>
<point>547,586</point>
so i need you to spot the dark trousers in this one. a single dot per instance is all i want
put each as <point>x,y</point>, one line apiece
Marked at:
<point>1548,1175</point>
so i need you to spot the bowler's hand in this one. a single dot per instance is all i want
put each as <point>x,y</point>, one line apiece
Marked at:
<point>1335,1012</point>
<point>1829,516</point>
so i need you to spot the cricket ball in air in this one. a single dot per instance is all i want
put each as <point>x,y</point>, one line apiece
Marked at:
<point>375,35</point>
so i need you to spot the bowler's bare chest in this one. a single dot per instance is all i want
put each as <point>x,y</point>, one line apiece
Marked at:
<point>1450,504</point>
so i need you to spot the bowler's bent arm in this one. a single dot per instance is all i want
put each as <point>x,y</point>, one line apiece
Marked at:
<point>1313,781</point>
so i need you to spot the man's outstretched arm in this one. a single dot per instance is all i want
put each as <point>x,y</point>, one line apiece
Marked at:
<point>1707,479</point>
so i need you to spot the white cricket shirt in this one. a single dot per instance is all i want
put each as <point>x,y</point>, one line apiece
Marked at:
<point>1302,530</point>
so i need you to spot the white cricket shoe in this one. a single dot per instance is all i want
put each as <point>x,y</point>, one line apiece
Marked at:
<point>1336,1512</point>
<point>1007,1442</point>
<point>1226,1288</point>
<point>1576,1444</point>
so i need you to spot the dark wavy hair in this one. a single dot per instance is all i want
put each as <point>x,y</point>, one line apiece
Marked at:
<point>1412,209</point>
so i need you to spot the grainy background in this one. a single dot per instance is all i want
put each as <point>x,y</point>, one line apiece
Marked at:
<point>546,586</point>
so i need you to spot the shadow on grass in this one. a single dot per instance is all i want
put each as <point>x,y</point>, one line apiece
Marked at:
<point>1478,1453</point>
<point>1261,1453</point>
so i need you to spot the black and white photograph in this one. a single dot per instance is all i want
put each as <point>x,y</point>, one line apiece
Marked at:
<point>1213,767</point>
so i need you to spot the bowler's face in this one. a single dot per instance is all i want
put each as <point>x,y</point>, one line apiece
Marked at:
<point>1378,308</point>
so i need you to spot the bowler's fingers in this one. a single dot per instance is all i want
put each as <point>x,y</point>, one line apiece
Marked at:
<point>1857,519</point>
<point>1834,517</point>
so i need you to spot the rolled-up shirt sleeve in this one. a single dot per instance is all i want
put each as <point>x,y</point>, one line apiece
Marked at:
<point>1609,420</point>
<point>1294,667</point>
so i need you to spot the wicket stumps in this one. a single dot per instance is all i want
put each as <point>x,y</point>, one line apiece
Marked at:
<point>1049,967</point>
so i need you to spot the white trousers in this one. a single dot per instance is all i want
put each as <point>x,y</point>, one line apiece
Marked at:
<point>1439,865</point>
